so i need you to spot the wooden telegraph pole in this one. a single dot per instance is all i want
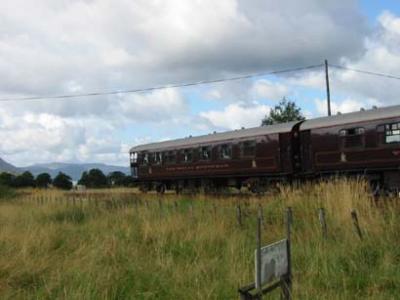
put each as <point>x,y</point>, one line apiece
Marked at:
<point>328,93</point>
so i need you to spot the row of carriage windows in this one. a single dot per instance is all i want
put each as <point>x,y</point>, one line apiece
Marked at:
<point>349,138</point>
<point>355,137</point>
<point>248,149</point>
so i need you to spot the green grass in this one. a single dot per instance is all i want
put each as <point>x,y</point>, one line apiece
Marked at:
<point>125,246</point>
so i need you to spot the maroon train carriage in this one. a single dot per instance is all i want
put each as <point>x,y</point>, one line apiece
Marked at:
<point>365,142</point>
<point>360,143</point>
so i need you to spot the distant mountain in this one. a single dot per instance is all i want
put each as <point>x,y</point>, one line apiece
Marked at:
<point>7,167</point>
<point>73,170</point>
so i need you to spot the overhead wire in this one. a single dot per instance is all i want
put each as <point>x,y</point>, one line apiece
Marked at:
<point>149,89</point>
<point>365,72</point>
<point>202,82</point>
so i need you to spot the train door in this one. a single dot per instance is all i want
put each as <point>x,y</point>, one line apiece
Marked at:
<point>285,141</point>
<point>296,151</point>
<point>305,151</point>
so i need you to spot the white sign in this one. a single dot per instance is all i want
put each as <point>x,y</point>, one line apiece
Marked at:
<point>274,262</point>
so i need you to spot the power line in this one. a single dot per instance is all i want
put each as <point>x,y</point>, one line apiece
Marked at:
<point>149,89</point>
<point>366,72</point>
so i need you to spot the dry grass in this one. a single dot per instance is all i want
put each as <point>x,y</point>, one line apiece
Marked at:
<point>116,244</point>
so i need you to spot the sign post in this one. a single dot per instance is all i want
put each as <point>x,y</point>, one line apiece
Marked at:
<point>272,267</point>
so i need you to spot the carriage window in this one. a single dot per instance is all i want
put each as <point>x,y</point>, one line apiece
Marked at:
<point>248,148</point>
<point>225,151</point>
<point>151,158</point>
<point>352,137</point>
<point>392,133</point>
<point>205,153</point>
<point>134,157</point>
<point>187,155</point>
<point>158,158</point>
<point>170,157</point>
<point>146,158</point>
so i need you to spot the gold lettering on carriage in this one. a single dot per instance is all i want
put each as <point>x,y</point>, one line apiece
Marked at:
<point>199,167</point>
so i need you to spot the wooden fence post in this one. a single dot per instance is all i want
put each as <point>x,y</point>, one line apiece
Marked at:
<point>322,220</point>
<point>261,213</point>
<point>356,224</point>
<point>287,288</point>
<point>239,215</point>
<point>258,266</point>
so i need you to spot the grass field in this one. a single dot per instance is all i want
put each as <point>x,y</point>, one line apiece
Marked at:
<point>114,244</point>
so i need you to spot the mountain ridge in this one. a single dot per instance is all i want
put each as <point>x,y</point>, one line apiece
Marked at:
<point>74,170</point>
<point>7,167</point>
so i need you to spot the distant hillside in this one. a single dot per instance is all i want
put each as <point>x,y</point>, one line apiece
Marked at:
<point>73,170</point>
<point>7,167</point>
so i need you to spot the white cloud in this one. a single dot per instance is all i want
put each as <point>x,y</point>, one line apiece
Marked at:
<point>161,105</point>
<point>344,106</point>
<point>381,55</point>
<point>270,90</point>
<point>237,115</point>
<point>57,47</point>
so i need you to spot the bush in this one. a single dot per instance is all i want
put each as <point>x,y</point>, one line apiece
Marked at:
<point>43,180</point>
<point>95,178</point>
<point>25,179</point>
<point>62,181</point>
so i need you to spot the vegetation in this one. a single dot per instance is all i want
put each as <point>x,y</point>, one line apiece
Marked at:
<point>62,181</point>
<point>115,244</point>
<point>285,111</point>
<point>25,179</point>
<point>95,178</point>
<point>7,179</point>
<point>43,180</point>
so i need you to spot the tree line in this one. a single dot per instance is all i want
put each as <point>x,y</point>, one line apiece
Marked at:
<point>93,178</point>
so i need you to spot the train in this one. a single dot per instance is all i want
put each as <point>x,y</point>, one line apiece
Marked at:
<point>364,143</point>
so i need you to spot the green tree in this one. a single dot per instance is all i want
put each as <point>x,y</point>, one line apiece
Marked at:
<point>129,181</point>
<point>7,179</point>
<point>62,181</point>
<point>95,178</point>
<point>43,180</point>
<point>285,111</point>
<point>84,179</point>
<point>25,179</point>
<point>116,178</point>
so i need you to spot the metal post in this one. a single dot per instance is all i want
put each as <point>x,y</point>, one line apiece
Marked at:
<point>328,93</point>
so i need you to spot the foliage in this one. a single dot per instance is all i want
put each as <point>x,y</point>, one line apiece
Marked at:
<point>6,192</point>
<point>95,178</point>
<point>191,247</point>
<point>62,181</point>
<point>7,179</point>
<point>25,179</point>
<point>285,111</point>
<point>116,178</point>
<point>129,181</point>
<point>43,180</point>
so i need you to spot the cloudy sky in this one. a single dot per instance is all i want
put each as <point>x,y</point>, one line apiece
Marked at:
<point>76,46</point>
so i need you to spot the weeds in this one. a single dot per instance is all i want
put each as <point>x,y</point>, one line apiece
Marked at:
<point>127,246</point>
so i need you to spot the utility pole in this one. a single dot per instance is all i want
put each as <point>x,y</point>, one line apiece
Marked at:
<point>328,93</point>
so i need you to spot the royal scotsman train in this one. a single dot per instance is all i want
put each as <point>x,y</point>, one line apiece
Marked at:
<point>363,143</point>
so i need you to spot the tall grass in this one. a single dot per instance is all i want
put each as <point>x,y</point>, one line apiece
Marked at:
<point>122,245</point>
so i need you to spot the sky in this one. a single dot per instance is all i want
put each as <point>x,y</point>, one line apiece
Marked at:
<point>70,46</point>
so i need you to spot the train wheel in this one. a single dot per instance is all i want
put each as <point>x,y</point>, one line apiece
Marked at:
<point>161,188</point>
<point>143,187</point>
